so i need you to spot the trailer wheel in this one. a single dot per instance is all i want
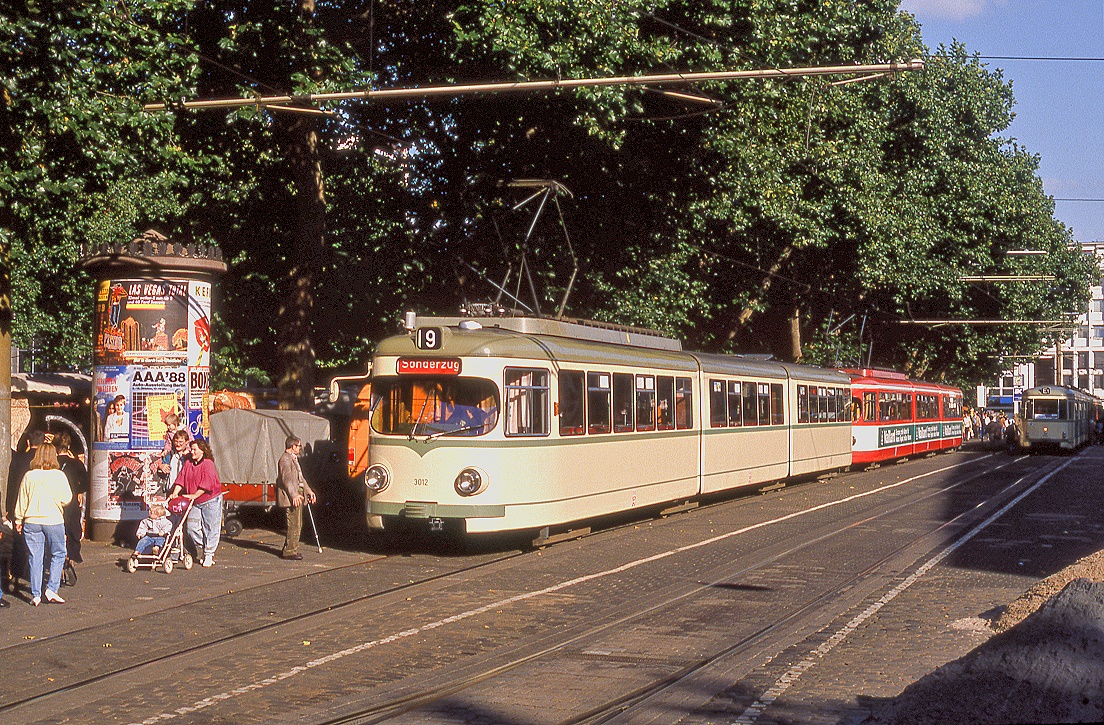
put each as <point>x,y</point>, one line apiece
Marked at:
<point>131,565</point>
<point>168,566</point>
<point>188,560</point>
<point>233,527</point>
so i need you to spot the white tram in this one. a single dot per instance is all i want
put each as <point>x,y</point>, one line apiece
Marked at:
<point>1057,417</point>
<point>514,423</point>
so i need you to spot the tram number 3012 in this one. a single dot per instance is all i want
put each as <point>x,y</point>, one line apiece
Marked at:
<point>421,481</point>
<point>428,338</point>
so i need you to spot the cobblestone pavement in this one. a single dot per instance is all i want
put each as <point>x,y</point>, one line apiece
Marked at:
<point>710,616</point>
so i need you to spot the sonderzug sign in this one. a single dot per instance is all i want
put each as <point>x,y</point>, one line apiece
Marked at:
<point>895,436</point>
<point>428,366</point>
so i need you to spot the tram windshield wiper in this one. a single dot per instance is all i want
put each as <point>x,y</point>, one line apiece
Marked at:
<point>454,431</point>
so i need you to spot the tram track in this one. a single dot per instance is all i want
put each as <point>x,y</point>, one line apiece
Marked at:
<point>398,707</point>
<point>167,658</point>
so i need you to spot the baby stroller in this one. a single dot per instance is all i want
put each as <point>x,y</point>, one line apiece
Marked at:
<point>173,552</point>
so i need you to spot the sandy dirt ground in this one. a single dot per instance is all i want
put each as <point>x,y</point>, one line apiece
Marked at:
<point>1045,664</point>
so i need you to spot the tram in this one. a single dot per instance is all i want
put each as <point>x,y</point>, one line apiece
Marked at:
<point>896,417</point>
<point>496,424</point>
<point>1057,417</point>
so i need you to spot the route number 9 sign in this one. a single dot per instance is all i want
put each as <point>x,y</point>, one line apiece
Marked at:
<point>428,338</point>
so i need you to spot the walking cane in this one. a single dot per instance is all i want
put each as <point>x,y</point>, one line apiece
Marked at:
<point>310,515</point>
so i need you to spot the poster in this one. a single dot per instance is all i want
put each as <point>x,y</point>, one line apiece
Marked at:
<point>141,322</point>
<point>152,356</point>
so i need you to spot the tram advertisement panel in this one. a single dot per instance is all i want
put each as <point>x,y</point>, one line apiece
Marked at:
<point>927,432</point>
<point>152,356</point>
<point>895,435</point>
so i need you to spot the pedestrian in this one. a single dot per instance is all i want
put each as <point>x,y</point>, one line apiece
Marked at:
<point>40,517</point>
<point>199,481</point>
<point>77,475</point>
<point>291,491</point>
<point>172,463</point>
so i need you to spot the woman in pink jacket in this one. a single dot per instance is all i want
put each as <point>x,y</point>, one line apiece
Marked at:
<point>199,481</point>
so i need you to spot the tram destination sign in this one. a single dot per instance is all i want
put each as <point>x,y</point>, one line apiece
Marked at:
<point>428,366</point>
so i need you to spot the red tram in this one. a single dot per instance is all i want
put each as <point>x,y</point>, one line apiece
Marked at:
<point>894,417</point>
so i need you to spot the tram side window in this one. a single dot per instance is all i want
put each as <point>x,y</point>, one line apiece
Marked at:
<point>802,403</point>
<point>927,407</point>
<point>778,409</point>
<point>645,402</point>
<point>718,410</point>
<point>684,403</point>
<point>751,412</point>
<point>526,402</point>
<point>764,404</point>
<point>831,405</point>
<point>572,420</point>
<point>735,404</point>
<point>870,407</point>
<point>623,389</point>
<point>953,409</point>
<point>665,403</point>
<point>849,409</point>
<point>598,402</point>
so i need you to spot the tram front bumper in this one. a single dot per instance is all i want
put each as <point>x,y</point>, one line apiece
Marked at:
<point>434,510</point>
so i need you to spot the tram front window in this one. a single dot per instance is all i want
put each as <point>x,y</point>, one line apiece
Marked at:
<point>1044,409</point>
<point>434,406</point>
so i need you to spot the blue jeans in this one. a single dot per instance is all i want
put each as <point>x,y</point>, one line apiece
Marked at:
<point>205,526</point>
<point>38,538</point>
<point>147,542</point>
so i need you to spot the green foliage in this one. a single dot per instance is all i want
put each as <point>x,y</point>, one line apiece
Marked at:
<point>859,204</point>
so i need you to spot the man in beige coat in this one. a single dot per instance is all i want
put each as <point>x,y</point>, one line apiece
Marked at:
<point>291,491</point>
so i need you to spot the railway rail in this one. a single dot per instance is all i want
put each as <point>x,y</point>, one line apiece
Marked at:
<point>414,691</point>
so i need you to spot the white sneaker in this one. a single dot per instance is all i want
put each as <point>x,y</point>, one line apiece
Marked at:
<point>35,602</point>
<point>208,560</point>
<point>53,597</point>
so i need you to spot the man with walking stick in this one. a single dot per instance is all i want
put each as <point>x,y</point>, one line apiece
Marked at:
<point>292,493</point>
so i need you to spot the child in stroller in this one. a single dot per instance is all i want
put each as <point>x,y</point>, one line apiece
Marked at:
<point>161,537</point>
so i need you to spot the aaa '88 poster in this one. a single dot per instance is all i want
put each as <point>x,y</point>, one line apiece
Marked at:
<point>152,349</point>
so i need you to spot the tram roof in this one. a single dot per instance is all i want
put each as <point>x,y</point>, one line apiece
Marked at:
<point>509,342</point>
<point>592,330</point>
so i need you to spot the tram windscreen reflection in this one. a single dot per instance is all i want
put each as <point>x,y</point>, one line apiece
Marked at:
<point>434,406</point>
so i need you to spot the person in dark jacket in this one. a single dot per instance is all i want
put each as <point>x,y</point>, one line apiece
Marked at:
<point>77,474</point>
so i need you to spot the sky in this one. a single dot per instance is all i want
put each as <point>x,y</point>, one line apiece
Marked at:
<point>1059,104</point>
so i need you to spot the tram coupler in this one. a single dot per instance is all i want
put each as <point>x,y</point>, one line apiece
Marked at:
<point>436,524</point>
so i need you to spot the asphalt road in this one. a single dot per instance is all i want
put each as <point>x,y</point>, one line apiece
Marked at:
<point>806,604</point>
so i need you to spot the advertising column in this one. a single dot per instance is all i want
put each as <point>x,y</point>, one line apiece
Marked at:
<point>151,370</point>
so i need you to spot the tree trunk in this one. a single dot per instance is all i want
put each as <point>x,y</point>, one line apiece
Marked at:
<point>764,287</point>
<point>295,388</point>
<point>795,335</point>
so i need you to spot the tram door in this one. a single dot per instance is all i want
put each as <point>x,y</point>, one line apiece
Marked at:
<point>358,431</point>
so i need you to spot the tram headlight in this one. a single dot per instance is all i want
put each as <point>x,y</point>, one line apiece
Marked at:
<point>470,482</point>
<point>376,478</point>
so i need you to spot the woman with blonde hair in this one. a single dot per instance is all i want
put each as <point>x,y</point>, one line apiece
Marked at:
<point>40,516</point>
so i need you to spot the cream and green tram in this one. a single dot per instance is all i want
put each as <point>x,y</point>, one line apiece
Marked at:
<point>502,424</point>
<point>1056,417</point>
